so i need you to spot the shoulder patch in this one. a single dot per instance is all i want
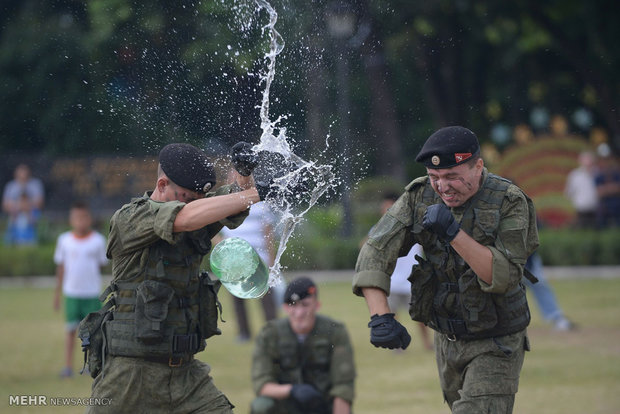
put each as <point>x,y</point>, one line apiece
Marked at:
<point>418,182</point>
<point>514,192</point>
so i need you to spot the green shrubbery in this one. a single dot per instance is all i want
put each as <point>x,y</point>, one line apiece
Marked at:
<point>27,260</point>
<point>320,254</point>
<point>557,248</point>
<point>317,245</point>
<point>580,247</point>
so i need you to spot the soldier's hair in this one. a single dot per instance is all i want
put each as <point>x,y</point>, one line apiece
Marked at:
<point>80,205</point>
<point>472,161</point>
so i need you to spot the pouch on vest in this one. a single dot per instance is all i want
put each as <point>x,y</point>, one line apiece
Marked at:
<point>288,356</point>
<point>90,333</point>
<point>478,307</point>
<point>514,306</point>
<point>321,355</point>
<point>485,225</point>
<point>423,289</point>
<point>152,300</point>
<point>209,307</point>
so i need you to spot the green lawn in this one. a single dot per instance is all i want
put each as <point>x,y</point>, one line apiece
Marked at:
<point>571,372</point>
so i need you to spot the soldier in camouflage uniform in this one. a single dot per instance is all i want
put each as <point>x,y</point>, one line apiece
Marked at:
<point>477,230</point>
<point>159,311</point>
<point>303,363</point>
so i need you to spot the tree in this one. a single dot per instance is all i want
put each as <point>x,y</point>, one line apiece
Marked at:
<point>126,76</point>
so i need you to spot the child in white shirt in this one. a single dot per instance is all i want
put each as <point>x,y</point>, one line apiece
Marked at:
<point>79,255</point>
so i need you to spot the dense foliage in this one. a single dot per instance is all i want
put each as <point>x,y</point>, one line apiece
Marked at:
<point>121,77</point>
<point>124,76</point>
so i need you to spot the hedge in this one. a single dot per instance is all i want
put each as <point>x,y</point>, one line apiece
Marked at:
<point>308,251</point>
<point>557,248</point>
<point>27,260</point>
<point>568,247</point>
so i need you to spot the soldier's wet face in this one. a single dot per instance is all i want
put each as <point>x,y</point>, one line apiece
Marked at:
<point>302,314</point>
<point>176,192</point>
<point>457,184</point>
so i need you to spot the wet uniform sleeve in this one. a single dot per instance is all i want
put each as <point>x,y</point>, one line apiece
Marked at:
<point>264,368</point>
<point>342,366</point>
<point>140,224</point>
<point>387,240</point>
<point>231,222</point>
<point>517,238</point>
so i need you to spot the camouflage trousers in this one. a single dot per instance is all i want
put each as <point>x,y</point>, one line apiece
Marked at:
<point>481,376</point>
<point>266,405</point>
<point>133,385</point>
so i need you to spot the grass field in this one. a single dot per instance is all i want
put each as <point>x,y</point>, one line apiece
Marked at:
<point>566,372</point>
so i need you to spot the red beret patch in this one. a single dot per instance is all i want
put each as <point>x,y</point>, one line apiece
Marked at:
<point>461,156</point>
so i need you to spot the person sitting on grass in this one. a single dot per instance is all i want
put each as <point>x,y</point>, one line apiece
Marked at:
<point>303,363</point>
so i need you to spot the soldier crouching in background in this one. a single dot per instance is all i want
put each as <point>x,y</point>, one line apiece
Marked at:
<point>303,363</point>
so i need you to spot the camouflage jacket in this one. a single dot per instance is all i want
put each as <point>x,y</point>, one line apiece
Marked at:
<point>161,305</point>
<point>500,216</point>
<point>139,224</point>
<point>324,359</point>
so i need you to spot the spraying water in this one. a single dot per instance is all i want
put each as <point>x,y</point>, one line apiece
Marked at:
<point>318,178</point>
<point>171,78</point>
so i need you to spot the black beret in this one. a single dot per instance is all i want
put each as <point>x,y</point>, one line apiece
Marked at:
<point>298,289</point>
<point>448,147</point>
<point>187,166</point>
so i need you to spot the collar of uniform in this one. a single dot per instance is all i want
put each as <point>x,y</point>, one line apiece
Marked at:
<point>460,210</point>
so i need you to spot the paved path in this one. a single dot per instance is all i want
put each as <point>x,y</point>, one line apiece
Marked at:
<point>551,272</point>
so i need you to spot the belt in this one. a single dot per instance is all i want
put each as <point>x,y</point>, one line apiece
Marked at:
<point>171,361</point>
<point>452,328</point>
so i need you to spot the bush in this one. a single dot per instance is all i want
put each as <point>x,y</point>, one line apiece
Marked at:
<point>27,260</point>
<point>317,246</point>
<point>320,253</point>
<point>567,247</point>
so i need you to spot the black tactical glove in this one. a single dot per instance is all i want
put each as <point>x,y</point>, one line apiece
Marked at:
<point>272,166</point>
<point>244,159</point>
<point>387,332</point>
<point>440,221</point>
<point>264,189</point>
<point>307,397</point>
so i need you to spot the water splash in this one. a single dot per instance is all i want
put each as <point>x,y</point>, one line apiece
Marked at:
<point>318,178</point>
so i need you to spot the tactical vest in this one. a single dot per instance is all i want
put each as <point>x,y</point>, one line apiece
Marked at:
<point>446,294</point>
<point>305,364</point>
<point>168,309</point>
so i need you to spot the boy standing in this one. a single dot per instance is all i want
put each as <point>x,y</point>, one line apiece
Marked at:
<point>79,255</point>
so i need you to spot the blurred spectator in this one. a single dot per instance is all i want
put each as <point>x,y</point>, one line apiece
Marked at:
<point>22,201</point>
<point>21,226</point>
<point>400,287</point>
<point>257,230</point>
<point>581,191</point>
<point>543,294</point>
<point>79,255</point>
<point>545,298</point>
<point>607,182</point>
